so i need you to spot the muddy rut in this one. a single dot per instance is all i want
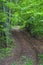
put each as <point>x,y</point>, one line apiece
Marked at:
<point>24,46</point>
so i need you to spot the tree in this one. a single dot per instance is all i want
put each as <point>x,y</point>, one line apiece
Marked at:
<point>28,14</point>
<point>4,25</point>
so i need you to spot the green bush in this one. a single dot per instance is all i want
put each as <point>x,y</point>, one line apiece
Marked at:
<point>32,16</point>
<point>26,13</point>
<point>4,26</point>
<point>29,14</point>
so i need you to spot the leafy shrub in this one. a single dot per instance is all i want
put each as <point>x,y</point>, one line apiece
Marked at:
<point>26,13</point>
<point>4,26</point>
<point>29,14</point>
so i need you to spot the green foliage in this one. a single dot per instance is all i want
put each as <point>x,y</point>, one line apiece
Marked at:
<point>4,26</point>
<point>29,14</point>
<point>26,13</point>
<point>29,63</point>
<point>13,64</point>
<point>5,52</point>
<point>40,56</point>
<point>32,16</point>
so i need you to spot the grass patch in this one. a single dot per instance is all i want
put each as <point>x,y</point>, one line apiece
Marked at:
<point>13,64</point>
<point>40,59</point>
<point>6,52</point>
<point>29,62</point>
<point>23,61</point>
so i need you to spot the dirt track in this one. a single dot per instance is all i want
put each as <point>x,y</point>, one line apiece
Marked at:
<point>25,45</point>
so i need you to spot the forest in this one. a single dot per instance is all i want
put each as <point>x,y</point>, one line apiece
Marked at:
<point>21,32</point>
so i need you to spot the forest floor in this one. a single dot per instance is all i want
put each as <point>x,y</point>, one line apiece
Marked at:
<point>26,47</point>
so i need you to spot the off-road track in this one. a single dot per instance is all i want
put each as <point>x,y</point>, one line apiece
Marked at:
<point>25,45</point>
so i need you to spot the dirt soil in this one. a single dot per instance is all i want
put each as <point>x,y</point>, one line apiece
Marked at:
<point>25,46</point>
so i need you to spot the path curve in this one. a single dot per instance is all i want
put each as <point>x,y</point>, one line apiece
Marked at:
<point>24,47</point>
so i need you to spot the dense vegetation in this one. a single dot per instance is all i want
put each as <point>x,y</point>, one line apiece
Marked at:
<point>26,13</point>
<point>29,14</point>
<point>4,25</point>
